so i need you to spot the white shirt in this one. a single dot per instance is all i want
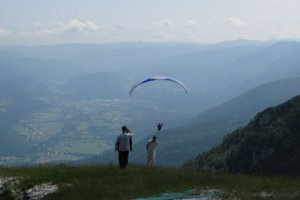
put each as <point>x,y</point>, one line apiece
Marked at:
<point>123,139</point>
<point>151,146</point>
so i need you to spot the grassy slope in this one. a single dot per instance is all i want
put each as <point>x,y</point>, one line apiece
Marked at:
<point>109,182</point>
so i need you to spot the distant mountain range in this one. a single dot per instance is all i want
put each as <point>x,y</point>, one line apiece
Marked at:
<point>269,144</point>
<point>214,74</point>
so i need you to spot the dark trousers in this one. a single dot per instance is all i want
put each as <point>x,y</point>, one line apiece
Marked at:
<point>123,158</point>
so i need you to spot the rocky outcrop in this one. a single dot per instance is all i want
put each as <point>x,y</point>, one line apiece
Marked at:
<point>10,189</point>
<point>39,191</point>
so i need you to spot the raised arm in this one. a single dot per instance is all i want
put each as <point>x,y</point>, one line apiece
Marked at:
<point>131,132</point>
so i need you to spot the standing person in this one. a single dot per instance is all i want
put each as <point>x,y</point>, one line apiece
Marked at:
<point>123,145</point>
<point>151,145</point>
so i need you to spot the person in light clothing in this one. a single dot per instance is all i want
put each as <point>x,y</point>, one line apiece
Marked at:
<point>151,145</point>
<point>123,145</point>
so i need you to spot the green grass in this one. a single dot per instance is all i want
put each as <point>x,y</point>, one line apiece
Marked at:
<point>109,182</point>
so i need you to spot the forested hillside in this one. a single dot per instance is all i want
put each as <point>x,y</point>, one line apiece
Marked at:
<point>269,144</point>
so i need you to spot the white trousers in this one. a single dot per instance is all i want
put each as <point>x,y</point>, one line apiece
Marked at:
<point>151,159</point>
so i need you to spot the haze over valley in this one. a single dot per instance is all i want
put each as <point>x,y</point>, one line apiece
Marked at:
<point>67,102</point>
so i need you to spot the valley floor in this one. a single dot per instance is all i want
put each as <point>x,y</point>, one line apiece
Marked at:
<point>138,182</point>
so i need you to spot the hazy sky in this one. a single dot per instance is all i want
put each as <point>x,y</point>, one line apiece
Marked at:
<point>35,22</point>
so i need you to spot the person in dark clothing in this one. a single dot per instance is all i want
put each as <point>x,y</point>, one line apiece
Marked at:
<point>123,145</point>
<point>159,126</point>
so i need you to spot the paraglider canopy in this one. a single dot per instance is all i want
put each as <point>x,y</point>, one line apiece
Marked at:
<point>154,78</point>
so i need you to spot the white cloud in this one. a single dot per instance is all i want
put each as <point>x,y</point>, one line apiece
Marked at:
<point>207,21</point>
<point>287,34</point>
<point>58,27</point>
<point>164,36</point>
<point>235,21</point>
<point>76,25</point>
<point>191,23</point>
<point>275,34</point>
<point>167,23</point>
<point>5,32</point>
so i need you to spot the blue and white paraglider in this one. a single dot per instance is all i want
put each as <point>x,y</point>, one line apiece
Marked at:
<point>156,78</point>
